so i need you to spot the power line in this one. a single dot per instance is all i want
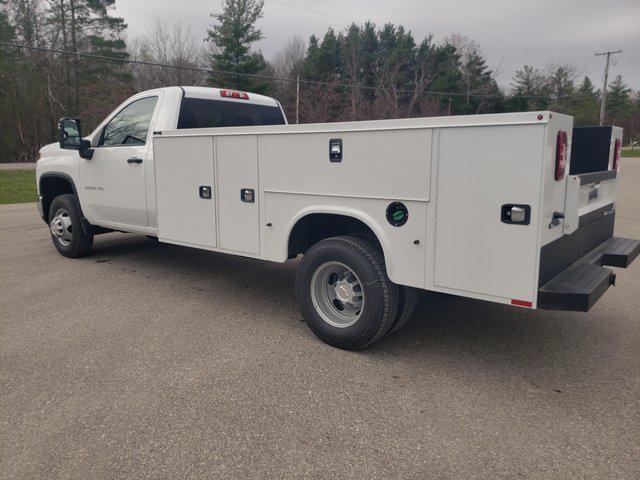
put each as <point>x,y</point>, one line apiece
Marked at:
<point>309,10</point>
<point>541,22</point>
<point>479,19</point>
<point>318,12</point>
<point>253,75</point>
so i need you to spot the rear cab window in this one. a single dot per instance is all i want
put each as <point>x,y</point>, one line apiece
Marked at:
<point>208,113</point>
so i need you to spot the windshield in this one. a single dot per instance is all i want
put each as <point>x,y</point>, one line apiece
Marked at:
<point>202,113</point>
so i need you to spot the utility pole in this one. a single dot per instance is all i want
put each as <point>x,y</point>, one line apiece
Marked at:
<point>298,98</point>
<point>603,96</point>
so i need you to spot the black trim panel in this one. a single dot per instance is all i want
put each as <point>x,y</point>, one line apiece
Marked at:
<point>557,256</point>
<point>593,177</point>
<point>42,200</point>
<point>587,218</point>
<point>64,176</point>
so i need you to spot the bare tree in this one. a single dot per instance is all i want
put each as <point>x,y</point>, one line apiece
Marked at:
<point>467,49</point>
<point>166,44</point>
<point>560,80</point>
<point>288,61</point>
<point>287,64</point>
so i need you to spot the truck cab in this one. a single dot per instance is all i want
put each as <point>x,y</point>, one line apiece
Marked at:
<point>113,176</point>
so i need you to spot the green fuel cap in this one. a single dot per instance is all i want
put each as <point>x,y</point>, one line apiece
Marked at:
<point>397,214</point>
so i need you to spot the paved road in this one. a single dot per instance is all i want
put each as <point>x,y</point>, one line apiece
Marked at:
<point>17,166</point>
<point>154,361</point>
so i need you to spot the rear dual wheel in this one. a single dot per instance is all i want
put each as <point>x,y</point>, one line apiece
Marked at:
<point>345,295</point>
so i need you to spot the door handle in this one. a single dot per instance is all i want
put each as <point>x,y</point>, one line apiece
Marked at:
<point>515,214</point>
<point>134,160</point>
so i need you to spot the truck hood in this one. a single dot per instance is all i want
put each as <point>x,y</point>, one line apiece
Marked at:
<point>49,148</point>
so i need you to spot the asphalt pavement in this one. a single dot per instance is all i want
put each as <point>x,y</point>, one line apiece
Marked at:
<point>147,360</point>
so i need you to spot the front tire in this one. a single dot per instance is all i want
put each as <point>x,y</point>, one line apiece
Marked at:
<point>344,293</point>
<point>65,225</point>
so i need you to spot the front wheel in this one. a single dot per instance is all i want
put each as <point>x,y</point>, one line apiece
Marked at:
<point>65,225</point>
<point>344,293</point>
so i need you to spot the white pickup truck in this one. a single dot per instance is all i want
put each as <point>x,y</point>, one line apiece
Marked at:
<point>512,208</point>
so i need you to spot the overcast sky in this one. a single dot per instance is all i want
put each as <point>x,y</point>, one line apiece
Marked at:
<point>556,31</point>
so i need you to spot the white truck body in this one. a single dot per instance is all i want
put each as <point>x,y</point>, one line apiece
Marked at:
<point>457,178</point>
<point>446,170</point>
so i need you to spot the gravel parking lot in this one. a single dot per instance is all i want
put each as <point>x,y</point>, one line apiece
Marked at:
<point>146,360</point>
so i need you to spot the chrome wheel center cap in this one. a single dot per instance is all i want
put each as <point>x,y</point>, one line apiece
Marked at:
<point>344,292</point>
<point>57,227</point>
<point>61,227</point>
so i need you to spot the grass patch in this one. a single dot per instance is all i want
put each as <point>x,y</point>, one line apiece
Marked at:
<point>631,153</point>
<point>17,186</point>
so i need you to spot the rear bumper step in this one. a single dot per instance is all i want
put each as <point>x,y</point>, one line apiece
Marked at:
<point>580,286</point>
<point>620,252</point>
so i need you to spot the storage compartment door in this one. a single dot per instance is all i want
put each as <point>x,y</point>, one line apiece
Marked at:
<point>482,171</point>
<point>238,202</point>
<point>185,190</point>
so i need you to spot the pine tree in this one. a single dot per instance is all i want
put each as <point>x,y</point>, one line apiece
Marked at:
<point>619,103</point>
<point>482,92</point>
<point>323,60</point>
<point>232,34</point>
<point>584,104</point>
<point>448,78</point>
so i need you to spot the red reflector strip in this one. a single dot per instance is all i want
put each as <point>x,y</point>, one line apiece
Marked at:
<point>234,94</point>
<point>521,303</point>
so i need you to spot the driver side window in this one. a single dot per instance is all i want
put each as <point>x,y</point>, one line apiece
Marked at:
<point>131,124</point>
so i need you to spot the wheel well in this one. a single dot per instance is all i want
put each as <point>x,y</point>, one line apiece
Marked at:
<point>50,188</point>
<point>314,227</point>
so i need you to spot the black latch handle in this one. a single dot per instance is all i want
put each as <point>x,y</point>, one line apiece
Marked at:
<point>248,195</point>
<point>205,192</point>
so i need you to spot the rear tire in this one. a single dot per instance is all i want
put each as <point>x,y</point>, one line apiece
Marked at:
<point>408,299</point>
<point>65,225</point>
<point>344,293</point>
<point>407,296</point>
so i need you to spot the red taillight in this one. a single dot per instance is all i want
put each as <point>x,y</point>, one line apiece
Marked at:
<point>617,152</point>
<point>561,155</point>
<point>234,94</point>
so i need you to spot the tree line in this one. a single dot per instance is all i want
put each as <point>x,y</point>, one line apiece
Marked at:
<point>362,72</point>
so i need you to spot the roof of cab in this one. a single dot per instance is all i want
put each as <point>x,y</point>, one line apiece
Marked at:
<point>210,93</point>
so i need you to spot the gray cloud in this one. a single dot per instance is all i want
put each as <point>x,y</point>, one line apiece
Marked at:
<point>508,41</point>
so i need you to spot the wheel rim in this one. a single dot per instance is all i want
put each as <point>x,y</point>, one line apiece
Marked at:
<point>337,294</point>
<point>61,227</point>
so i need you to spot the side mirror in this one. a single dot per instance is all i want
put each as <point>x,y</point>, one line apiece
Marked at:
<point>70,133</point>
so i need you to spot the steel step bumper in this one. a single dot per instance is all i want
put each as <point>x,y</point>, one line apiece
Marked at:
<point>580,286</point>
